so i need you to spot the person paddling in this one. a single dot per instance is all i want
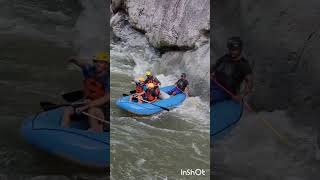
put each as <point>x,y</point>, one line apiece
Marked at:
<point>181,86</point>
<point>152,79</point>
<point>229,72</point>
<point>96,91</point>
<point>140,88</point>
<point>150,95</point>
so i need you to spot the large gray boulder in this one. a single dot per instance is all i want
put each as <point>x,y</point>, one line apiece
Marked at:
<point>178,29</point>
<point>283,40</point>
<point>170,23</point>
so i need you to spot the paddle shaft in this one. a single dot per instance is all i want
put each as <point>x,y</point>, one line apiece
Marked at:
<point>73,96</point>
<point>54,106</point>
<point>90,115</point>
<point>151,103</point>
<point>251,110</point>
<point>95,117</point>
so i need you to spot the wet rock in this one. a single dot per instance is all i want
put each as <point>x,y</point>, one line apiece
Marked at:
<point>179,30</point>
<point>116,5</point>
<point>173,23</point>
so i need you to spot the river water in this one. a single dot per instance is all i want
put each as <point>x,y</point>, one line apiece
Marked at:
<point>158,146</point>
<point>36,37</point>
<point>253,151</point>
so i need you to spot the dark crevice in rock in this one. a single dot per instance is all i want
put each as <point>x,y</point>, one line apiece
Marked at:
<point>302,50</point>
<point>138,30</point>
<point>173,48</point>
<point>205,33</point>
<point>118,8</point>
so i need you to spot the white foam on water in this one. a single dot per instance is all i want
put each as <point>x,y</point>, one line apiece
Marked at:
<point>140,162</point>
<point>196,149</point>
<point>21,23</point>
<point>166,80</point>
<point>253,146</point>
<point>91,28</point>
<point>196,111</point>
<point>161,129</point>
<point>120,62</point>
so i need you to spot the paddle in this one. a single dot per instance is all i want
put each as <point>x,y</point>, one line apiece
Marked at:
<point>46,106</point>
<point>150,103</point>
<point>251,110</point>
<point>73,96</point>
<point>182,91</point>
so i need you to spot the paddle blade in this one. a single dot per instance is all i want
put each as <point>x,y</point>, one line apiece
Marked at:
<point>73,96</point>
<point>46,106</point>
<point>165,108</point>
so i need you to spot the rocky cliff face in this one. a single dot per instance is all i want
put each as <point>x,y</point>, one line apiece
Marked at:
<point>178,29</point>
<point>282,42</point>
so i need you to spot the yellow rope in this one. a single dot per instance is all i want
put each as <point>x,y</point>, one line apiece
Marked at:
<point>282,138</point>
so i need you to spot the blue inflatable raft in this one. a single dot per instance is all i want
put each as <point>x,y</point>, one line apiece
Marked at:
<point>224,113</point>
<point>151,108</point>
<point>75,143</point>
<point>223,116</point>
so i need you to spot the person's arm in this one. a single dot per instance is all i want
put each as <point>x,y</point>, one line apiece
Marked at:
<point>96,103</point>
<point>155,99</point>
<point>176,83</point>
<point>213,67</point>
<point>99,102</point>
<point>134,82</point>
<point>77,62</point>
<point>159,83</point>
<point>186,91</point>
<point>248,84</point>
<point>142,93</point>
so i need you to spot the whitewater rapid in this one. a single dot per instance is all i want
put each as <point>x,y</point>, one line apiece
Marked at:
<point>253,150</point>
<point>155,146</point>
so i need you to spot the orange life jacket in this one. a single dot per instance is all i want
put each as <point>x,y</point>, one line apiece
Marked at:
<point>139,88</point>
<point>151,95</point>
<point>93,89</point>
<point>152,80</point>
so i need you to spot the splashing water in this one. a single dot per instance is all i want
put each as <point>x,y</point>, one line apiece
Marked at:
<point>157,146</point>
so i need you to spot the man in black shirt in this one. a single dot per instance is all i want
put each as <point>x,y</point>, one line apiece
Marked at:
<point>181,86</point>
<point>230,71</point>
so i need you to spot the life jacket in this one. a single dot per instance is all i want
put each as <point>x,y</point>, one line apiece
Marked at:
<point>93,89</point>
<point>139,88</point>
<point>151,95</point>
<point>152,80</point>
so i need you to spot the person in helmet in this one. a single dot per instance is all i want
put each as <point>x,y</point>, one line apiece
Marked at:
<point>181,86</point>
<point>140,88</point>
<point>150,95</point>
<point>230,71</point>
<point>96,91</point>
<point>151,79</point>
